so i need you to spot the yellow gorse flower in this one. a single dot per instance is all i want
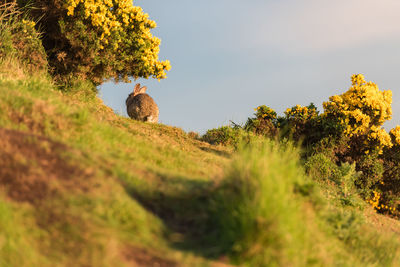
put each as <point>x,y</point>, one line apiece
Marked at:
<point>374,201</point>
<point>395,133</point>
<point>363,109</point>
<point>300,112</point>
<point>111,18</point>
<point>264,112</point>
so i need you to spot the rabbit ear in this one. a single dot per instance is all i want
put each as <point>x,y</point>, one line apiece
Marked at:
<point>143,90</point>
<point>136,89</point>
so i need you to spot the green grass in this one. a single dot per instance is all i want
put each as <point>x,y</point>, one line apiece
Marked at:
<point>256,211</point>
<point>119,155</point>
<point>18,235</point>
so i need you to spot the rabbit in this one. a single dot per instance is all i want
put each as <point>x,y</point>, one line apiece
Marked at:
<point>140,106</point>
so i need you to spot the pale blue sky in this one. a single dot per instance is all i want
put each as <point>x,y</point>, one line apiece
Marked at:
<point>229,56</point>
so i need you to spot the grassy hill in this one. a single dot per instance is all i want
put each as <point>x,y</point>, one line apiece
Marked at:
<point>82,186</point>
<point>75,171</point>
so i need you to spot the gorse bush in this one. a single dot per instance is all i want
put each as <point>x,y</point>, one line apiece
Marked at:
<point>371,167</point>
<point>299,113</point>
<point>300,122</point>
<point>98,40</point>
<point>361,107</point>
<point>264,122</point>
<point>226,135</point>
<point>395,135</point>
<point>322,168</point>
<point>362,110</point>
<point>19,39</point>
<point>349,131</point>
<point>390,183</point>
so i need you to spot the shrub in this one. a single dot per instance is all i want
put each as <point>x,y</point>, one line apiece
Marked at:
<point>98,40</point>
<point>193,135</point>
<point>264,122</point>
<point>371,168</point>
<point>365,174</point>
<point>322,168</point>
<point>19,39</point>
<point>330,146</point>
<point>265,113</point>
<point>390,185</point>
<point>347,180</point>
<point>395,136</point>
<point>345,225</point>
<point>300,122</point>
<point>346,144</point>
<point>226,135</point>
<point>361,111</point>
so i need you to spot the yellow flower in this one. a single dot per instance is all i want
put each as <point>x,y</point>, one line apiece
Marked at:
<point>70,11</point>
<point>362,110</point>
<point>395,133</point>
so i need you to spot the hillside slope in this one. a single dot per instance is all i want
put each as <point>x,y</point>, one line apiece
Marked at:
<point>71,173</point>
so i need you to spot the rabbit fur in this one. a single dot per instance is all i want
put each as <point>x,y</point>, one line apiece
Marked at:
<point>140,106</point>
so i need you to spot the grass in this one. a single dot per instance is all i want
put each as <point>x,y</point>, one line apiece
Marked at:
<point>115,156</point>
<point>256,211</point>
<point>18,234</point>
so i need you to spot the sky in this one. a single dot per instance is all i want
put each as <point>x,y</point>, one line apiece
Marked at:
<point>230,56</point>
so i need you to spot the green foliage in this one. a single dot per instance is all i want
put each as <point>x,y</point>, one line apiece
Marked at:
<point>332,147</point>
<point>345,224</point>
<point>372,170</point>
<point>264,123</point>
<point>226,135</point>
<point>344,176</point>
<point>368,248</point>
<point>390,183</point>
<point>301,123</point>
<point>322,168</point>
<point>20,40</point>
<point>97,40</point>
<point>255,210</point>
<point>348,178</point>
